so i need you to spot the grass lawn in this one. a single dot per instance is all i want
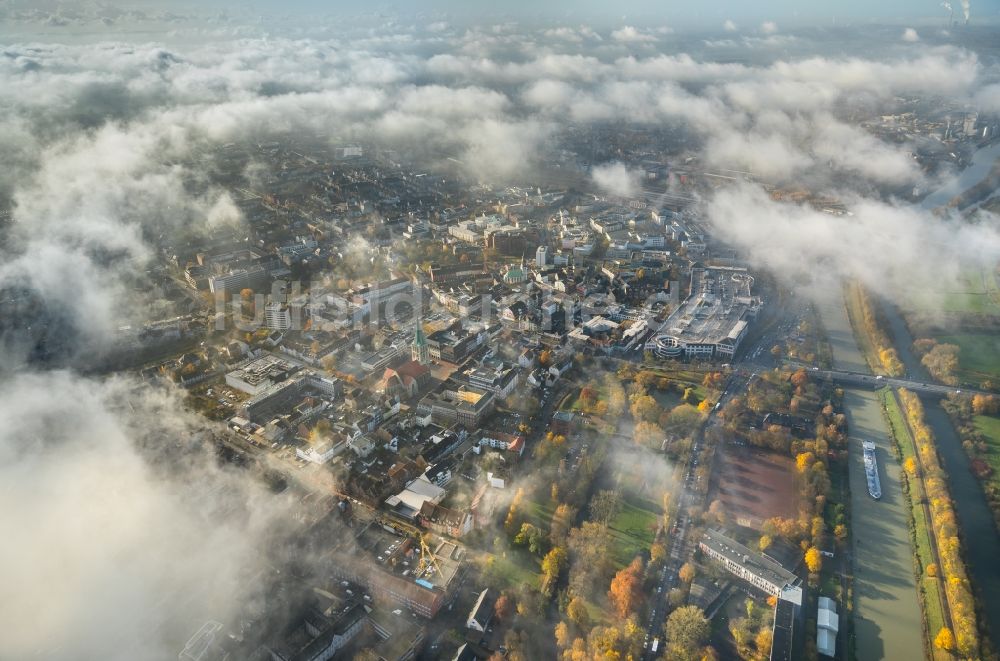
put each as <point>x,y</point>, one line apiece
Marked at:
<point>516,567</point>
<point>979,355</point>
<point>633,529</point>
<point>539,513</point>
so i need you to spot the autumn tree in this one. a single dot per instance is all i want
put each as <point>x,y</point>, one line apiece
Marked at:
<point>563,638</point>
<point>814,560</point>
<point>763,643</point>
<point>945,640</point>
<point>985,404</point>
<point>764,543</point>
<point>604,506</point>
<point>503,607</point>
<point>687,630</point>
<point>803,461</point>
<point>686,572</point>
<point>512,522</point>
<point>648,434</point>
<point>799,378</point>
<point>644,407</point>
<point>625,588</point>
<point>578,614</point>
<point>562,521</point>
<point>552,564</point>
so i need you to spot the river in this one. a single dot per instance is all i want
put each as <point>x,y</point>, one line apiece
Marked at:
<point>982,163</point>
<point>980,539</point>
<point>887,620</point>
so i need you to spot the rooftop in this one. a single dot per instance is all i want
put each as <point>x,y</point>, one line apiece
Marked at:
<point>759,564</point>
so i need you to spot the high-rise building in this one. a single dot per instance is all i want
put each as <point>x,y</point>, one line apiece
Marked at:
<point>419,350</point>
<point>277,316</point>
<point>541,257</point>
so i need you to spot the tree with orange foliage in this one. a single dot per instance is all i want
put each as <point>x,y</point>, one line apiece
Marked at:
<point>625,588</point>
<point>686,572</point>
<point>503,607</point>
<point>799,378</point>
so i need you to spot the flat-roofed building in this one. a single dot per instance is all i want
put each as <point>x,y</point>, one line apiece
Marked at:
<point>757,569</point>
<point>827,626</point>
<point>712,321</point>
<point>259,374</point>
<point>458,402</point>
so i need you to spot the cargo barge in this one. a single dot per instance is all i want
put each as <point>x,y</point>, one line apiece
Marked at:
<point>871,470</point>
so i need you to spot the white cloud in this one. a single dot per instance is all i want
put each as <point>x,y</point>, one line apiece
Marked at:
<point>910,35</point>
<point>631,35</point>
<point>768,27</point>
<point>616,178</point>
<point>729,26</point>
<point>118,540</point>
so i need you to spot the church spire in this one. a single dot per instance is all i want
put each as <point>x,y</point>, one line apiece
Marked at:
<point>419,350</point>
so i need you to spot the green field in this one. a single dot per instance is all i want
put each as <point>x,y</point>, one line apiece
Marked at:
<point>990,428</point>
<point>979,354</point>
<point>633,529</point>
<point>975,292</point>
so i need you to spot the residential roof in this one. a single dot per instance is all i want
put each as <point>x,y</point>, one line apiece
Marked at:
<point>482,611</point>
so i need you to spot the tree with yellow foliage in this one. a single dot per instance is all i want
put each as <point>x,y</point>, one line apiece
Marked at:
<point>910,466</point>
<point>804,460</point>
<point>765,542</point>
<point>814,560</point>
<point>945,640</point>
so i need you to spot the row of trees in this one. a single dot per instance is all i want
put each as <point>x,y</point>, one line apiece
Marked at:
<point>874,328</point>
<point>945,528</point>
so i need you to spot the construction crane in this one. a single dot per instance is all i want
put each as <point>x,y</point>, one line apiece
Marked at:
<point>425,553</point>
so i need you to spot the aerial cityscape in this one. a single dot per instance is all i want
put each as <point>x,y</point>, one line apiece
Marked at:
<point>482,331</point>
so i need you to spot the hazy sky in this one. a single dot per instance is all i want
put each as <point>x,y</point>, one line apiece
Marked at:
<point>676,12</point>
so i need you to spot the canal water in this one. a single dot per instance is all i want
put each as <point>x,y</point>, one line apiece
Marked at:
<point>887,620</point>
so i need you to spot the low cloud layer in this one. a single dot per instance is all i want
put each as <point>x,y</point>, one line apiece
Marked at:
<point>121,535</point>
<point>894,249</point>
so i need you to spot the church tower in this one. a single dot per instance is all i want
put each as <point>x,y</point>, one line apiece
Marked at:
<point>418,350</point>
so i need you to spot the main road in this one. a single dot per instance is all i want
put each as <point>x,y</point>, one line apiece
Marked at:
<point>887,621</point>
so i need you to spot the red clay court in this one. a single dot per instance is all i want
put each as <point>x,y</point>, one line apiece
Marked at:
<point>753,485</point>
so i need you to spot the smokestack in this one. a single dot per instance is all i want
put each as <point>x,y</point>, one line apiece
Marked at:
<point>951,13</point>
